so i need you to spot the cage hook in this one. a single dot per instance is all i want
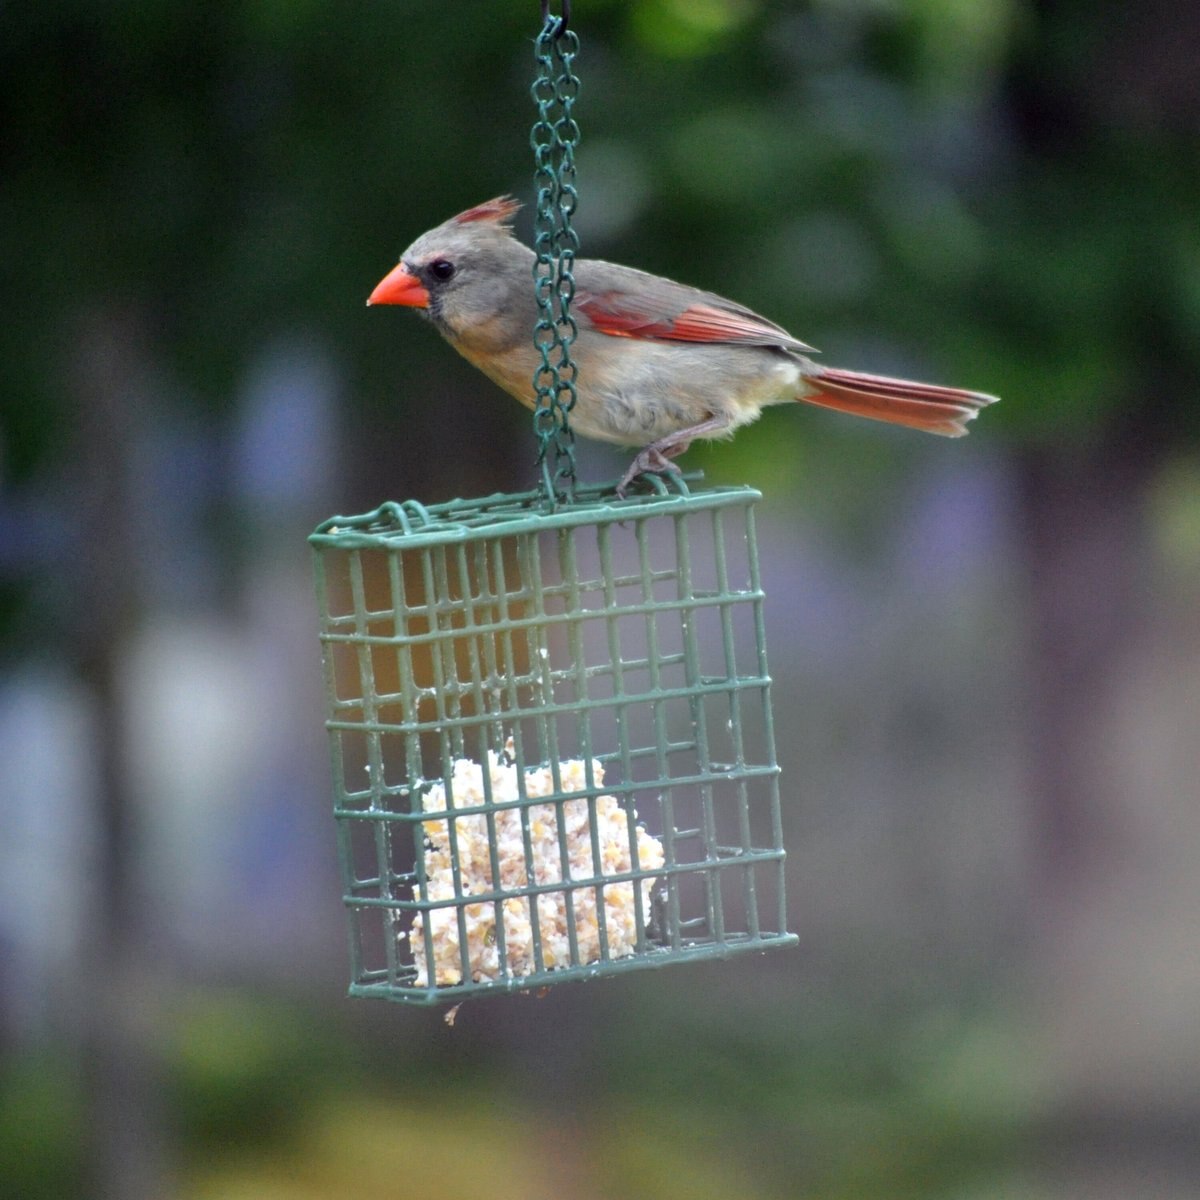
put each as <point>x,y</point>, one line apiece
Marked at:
<point>563,21</point>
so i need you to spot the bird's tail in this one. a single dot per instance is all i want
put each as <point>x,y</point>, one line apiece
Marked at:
<point>924,406</point>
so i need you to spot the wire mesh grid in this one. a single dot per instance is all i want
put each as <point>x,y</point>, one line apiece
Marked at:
<point>581,695</point>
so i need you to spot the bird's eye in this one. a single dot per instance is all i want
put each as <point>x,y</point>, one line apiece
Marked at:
<point>441,269</point>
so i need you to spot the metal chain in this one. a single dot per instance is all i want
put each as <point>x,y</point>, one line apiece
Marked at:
<point>553,139</point>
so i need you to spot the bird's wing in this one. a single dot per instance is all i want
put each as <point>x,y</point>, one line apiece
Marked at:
<point>622,302</point>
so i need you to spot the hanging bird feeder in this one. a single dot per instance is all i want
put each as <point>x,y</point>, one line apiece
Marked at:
<point>549,712</point>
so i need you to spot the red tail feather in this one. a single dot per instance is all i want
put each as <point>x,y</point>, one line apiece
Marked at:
<point>923,406</point>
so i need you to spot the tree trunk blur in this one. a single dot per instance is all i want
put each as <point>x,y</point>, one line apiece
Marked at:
<point>124,1155</point>
<point>1084,497</point>
<point>1083,530</point>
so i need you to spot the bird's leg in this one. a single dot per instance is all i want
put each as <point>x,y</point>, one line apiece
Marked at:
<point>656,457</point>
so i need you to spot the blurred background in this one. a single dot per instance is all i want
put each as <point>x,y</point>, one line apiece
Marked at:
<point>986,653</point>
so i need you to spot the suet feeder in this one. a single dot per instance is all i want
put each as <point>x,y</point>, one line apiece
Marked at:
<point>551,738</point>
<point>549,711</point>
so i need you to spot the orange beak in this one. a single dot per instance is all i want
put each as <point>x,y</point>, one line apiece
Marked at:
<point>400,286</point>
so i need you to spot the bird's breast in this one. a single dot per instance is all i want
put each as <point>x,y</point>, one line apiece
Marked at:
<point>640,391</point>
<point>512,371</point>
<point>633,391</point>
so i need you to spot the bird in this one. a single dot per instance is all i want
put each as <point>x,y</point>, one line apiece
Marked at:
<point>659,363</point>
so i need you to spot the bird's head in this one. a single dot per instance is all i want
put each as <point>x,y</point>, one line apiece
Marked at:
<point>462,273</point>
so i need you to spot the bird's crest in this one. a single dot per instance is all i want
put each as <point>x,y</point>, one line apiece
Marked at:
<point>498,211</point>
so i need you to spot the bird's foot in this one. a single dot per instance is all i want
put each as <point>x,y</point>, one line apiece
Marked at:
<point>650,461</point>
<point>656,458</point>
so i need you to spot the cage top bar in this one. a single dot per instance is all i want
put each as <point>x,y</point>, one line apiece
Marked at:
<point>508,513</point>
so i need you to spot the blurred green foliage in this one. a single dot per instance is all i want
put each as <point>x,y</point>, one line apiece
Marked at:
<point>243,1068</point>
<point>242,169</point>
<point>278,1100</point>
<point>998,193</point>
<point>41,1115</point>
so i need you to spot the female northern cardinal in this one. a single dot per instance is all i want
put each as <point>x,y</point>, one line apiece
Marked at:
<point>659,363</point>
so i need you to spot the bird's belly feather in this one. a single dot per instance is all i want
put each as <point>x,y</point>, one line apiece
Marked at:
<point>636,396</point>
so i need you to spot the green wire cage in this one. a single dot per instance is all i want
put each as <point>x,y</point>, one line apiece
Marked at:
<point>551,738</point>
<point>549,712</point>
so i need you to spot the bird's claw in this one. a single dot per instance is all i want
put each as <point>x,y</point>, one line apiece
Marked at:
<point>649,461</point>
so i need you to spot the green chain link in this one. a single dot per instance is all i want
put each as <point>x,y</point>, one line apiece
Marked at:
<point>553,139</point>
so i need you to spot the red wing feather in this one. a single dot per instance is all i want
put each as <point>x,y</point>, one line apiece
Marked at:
<point>613,313</point>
